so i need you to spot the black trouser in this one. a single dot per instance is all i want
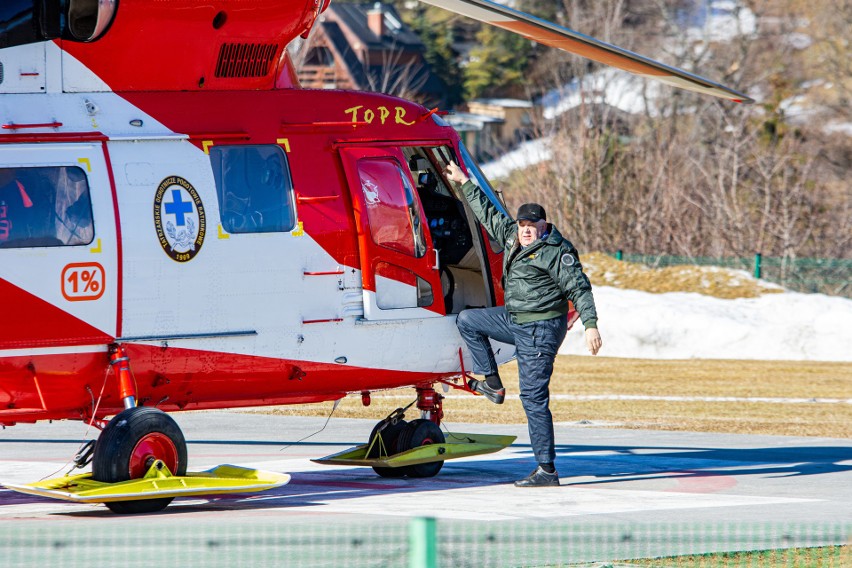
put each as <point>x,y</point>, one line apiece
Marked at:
<point>536,345</point>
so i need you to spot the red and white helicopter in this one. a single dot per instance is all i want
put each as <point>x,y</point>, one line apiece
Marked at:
<point>172,201</point>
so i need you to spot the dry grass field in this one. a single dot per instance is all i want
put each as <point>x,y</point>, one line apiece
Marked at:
<point>594,386</point>
<point>604,270</point>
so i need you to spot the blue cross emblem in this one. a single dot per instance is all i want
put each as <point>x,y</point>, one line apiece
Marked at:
<point>178,208</point>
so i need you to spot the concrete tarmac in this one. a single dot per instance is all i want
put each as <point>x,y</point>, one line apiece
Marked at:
<point>623,494</point>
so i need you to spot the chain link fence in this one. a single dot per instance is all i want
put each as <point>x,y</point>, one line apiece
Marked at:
<point>832,276</point>
<point>217,541</point>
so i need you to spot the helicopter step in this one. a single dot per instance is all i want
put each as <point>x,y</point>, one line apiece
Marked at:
<point>157,483</point>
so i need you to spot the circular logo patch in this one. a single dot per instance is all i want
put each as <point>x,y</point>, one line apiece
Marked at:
<point>179,218</point>
<point>568,259</point>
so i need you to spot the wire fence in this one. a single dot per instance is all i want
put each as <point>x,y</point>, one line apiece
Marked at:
<point>274,542</point>
<point>832,276</point>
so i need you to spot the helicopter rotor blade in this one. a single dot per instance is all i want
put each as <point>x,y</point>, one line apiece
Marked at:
<point>553,35</point>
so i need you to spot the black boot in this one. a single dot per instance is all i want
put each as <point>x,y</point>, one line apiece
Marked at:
<point>539,478</point>
<point>494,395</point>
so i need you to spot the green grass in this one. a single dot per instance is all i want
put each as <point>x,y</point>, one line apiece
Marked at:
<point>822,557</point>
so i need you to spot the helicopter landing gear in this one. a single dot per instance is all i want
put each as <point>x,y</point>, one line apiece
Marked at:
<point>130,444</point>
<point>394,435</point>
<point>389,439</point>
<point>139,462</point>
<point>384,442</point>
<point>418,433</point>
<point>430,404</point>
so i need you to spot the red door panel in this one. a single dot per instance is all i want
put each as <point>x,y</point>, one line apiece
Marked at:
<point>400,268</point>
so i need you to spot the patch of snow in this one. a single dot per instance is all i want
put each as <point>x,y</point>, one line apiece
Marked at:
<point>839,127</point>
<point>527,154</point>
<point>722,21</point>
<point>798,40</point>
<point>680,325</point>
<point>612,87</point>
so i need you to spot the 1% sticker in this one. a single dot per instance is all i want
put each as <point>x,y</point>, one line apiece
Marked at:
<point>83,281</point>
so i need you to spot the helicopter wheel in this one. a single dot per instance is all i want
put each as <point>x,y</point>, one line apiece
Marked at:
<point>418,433</point>
<point>389,437</point>
<point>130,444</point>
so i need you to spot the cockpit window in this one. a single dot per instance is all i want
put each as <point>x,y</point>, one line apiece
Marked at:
<point>480,179</point>
<point>254,189</point>
<point>482,182</point>
<point>45,207</point>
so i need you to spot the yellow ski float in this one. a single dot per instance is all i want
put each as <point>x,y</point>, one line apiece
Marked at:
<point>156,485</point>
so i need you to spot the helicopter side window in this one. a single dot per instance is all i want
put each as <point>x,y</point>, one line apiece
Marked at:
<point>392,209</point>
<point>45,207</point>
<point>254,188</point>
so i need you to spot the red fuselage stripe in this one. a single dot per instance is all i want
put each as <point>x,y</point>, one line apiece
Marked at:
<point>119,269</point>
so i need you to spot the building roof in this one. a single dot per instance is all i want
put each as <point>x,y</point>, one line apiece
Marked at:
<point>505,103</point>
<point>397,34</point>
<point>466,121</point>
<point>338,43</point>
<point>356,46</point>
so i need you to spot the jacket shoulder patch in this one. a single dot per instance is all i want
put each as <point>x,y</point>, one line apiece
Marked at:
<point>568,259</point>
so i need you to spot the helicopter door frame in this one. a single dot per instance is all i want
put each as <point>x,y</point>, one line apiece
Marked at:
<point>76,266</point>
<point>400,268</point>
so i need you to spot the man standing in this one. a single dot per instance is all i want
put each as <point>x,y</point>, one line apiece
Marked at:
<point>541,272</point>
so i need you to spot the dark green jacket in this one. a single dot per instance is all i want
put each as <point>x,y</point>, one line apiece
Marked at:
<point>538,280</point>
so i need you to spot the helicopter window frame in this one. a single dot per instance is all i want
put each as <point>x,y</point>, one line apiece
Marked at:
<point>45,206</point>
<point>254,190</point>
<point>400,288</point>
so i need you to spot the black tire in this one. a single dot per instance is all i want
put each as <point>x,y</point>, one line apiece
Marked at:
<point>390,438</point>
<point>418,433</point>
<point>129,444</point>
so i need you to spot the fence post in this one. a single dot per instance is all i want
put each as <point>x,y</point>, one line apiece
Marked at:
<point>422,543</point>
<point>619,254</point>
<point>757,259</point>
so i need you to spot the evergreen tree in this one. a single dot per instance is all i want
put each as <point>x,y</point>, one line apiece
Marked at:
<point>497,64</point>
<point>435,29</point>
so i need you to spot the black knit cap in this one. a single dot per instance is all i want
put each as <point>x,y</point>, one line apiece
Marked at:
<point>531,212</point>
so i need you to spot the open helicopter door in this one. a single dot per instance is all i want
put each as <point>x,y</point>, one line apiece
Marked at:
<point>400,267</point>
<point>58,247</point>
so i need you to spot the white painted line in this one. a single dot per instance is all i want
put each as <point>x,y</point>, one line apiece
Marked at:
<point>769,400</point>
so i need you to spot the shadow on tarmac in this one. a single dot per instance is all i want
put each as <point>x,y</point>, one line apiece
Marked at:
<point>604,464</point>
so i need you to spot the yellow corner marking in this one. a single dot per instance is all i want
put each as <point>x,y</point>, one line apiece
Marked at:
<point>299,230</point>
<point>87,162</point>
<point>284,142</point>
<point>206,145</point>
<point>223,234</point>
<point>96,249</point>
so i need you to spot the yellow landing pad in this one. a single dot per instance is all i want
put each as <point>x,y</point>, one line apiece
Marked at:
<point>456,446</point>
<point>158,482</point>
